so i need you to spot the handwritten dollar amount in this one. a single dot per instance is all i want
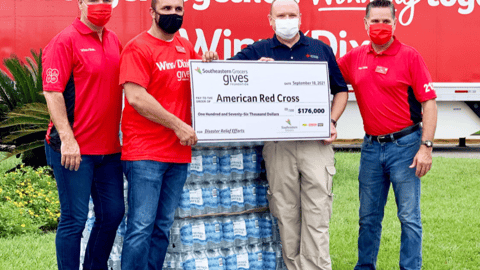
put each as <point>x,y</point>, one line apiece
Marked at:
<point>310,110</point>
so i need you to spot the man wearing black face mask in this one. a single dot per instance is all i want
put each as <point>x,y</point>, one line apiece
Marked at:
<point>157,132</point>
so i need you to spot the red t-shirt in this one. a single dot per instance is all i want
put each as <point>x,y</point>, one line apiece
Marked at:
<point>389,86</point>
<point>85,70</point>
<point>161,68</point>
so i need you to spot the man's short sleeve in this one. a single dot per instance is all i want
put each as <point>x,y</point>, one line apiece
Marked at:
<point>134,66</point>
<point>247,53</point>
<point>343,64</point>
<point>337,83</point>
<point>57,64</point>
<point>421,79</point>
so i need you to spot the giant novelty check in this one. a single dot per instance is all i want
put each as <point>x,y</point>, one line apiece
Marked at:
<point>260,101</point>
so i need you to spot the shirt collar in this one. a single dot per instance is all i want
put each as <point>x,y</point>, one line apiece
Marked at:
<point>276,43</point>
<point>83,28</point>
<point>391,50</point>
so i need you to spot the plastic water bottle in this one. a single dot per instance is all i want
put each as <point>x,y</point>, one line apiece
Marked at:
<point>249,194</point>
<point>250,161</point>
<point>224,161</point>
<point>211,166</point>
<point>216,261</point>
<point>258,151</point>
<point>240,230</point>
<point>230,258</point>
<point>261,192</point>
<point>175,243</point>
<point>253,228</point>
<point>238,202</point>
<point>214,231</point>
<point>236,162</point>
<point>211,197</point>
<point>178,262</point>
<point>279,256</point>
<point>255,256</point>
<point>169,262</point>
<point>242,258</point>
<point>186,236</point>
<point>228,232</point>
<point>196,199</point>
<point>184,204</point>
<point>275,229</point>
<point>225,196</point>
<point>199,235</point>
<point>188,261</point>
<point>196,167</point>
<point>201,260</point>
<point>266,227</point>
<point>269,256</point>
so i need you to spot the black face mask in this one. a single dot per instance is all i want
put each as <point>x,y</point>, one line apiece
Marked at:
<point>170,23</point>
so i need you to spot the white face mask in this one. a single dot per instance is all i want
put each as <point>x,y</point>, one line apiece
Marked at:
<point>287,28</point>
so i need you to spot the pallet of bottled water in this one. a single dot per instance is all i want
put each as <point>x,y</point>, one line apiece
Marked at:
<point>244,241</point>
<point>221,221</point>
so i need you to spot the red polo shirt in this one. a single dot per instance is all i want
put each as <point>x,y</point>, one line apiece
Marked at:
<point>161,68</point>
<point>85,70</point>
<point>389,86</point>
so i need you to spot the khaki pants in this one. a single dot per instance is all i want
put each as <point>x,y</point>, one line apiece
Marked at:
<point>300,175</point>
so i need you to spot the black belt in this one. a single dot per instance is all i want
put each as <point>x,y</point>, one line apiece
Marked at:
<point>396,135</point>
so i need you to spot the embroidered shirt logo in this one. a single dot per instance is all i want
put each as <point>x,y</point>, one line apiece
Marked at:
<point>88,50</point>
<point>52,75</point>
<point>312,56</point>
<point>180,49</point>
<point>364,67</point>
<point>381,70</point>
<point>428,87</point>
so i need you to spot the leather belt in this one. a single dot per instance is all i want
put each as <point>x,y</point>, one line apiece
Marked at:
<point>396,135</point>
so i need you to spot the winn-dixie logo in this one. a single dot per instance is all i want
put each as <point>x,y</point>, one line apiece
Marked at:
<point>233,77</point>
<point>172,65</point>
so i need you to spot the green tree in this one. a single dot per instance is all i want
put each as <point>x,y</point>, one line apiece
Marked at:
<point>23,111</point>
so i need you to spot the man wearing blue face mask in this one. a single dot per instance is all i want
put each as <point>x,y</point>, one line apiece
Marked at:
<point>300,173</point>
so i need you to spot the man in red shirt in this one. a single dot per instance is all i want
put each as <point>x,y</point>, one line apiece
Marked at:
<point>157,132</point>
<point>392,85</point>
<point>80,82</point>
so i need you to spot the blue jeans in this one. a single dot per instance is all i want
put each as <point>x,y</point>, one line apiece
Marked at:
<point>380,165</point>
<point>101,177</point>
<point>154,190</point>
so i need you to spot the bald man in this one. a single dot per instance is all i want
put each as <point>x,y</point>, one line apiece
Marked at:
<point>300,173</point>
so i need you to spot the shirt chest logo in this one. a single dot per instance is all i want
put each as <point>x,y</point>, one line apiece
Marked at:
<point>312,56</point>
<point>179,63</point>
<point>88,50</point>
<point>180,49</point>
<point>381,70</point>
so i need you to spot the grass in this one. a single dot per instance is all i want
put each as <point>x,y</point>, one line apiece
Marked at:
<point>450,214</point>
<point>28,252</point>
<point>8,163</point>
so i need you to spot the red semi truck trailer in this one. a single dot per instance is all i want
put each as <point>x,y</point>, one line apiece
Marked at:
<point>445,32</point>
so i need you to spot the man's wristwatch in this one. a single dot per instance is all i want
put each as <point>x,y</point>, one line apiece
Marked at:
<point>427,143</point>
<point>334,122</point>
